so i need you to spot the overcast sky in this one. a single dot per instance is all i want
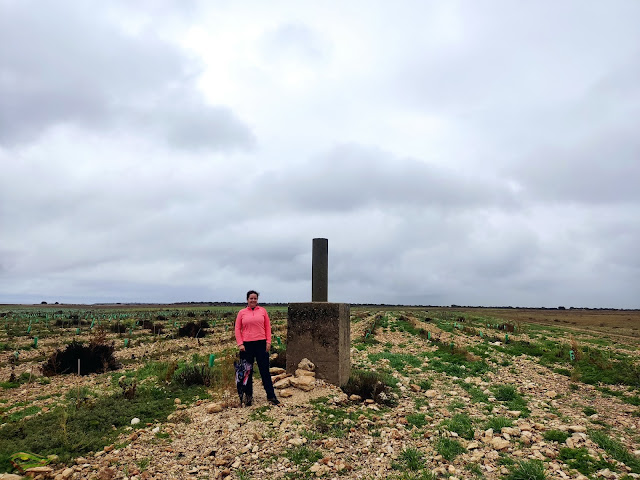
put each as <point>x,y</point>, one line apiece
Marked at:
<point>453,152</point>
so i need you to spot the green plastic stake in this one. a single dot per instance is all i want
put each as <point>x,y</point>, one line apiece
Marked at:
<point>452,345</point>
<point>126,342</point>
<point>506,338</point>
<point>481,336</point>
<point>93,322</point>
<point>35,342</point>
<point>367,335</point>
<point>29,329</point>
<point>226,328</point>
<point>212,358</point>
<point>130,331</point>
<point>572,355</point>
<point>428,335</point>
<point>77,331</point>
<point>279,341</point>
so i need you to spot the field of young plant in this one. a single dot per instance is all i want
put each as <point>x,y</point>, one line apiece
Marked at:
<point>434,393</point>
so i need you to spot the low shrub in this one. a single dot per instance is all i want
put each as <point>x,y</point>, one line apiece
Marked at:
<point>368,384</point>
<point>193,330</point>
<point>188,375</point>
<point>94,358</point>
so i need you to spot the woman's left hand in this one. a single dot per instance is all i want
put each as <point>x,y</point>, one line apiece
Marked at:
<point>268,347</point>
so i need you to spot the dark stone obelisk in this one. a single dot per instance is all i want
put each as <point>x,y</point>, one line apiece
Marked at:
<point>320,330</point>
<point>320,270</point>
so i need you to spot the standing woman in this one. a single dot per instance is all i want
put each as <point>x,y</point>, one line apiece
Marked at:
<point>253,335</point>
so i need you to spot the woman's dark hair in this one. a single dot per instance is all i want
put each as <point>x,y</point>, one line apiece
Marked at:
<point>252,291</point>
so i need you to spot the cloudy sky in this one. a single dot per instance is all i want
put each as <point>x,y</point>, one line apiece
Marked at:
<point>476,153</point>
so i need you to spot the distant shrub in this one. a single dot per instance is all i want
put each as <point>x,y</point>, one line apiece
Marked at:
<point>156,328</point>
<point>193,330</point>
<point>94,358</point>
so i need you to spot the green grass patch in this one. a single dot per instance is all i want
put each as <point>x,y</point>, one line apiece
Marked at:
<point>397,361</point>
<point>527,470</point>
<point>449,448</point>
<point>461,424</point>
<point>582,461</point>
<point>330,419</point>
<point>409,459</point>
<point>512,399</point>
<point>455,364</point>
<point>498,423</point>
<point>475,469</point>
<point>456,405</point>
<point>588,411</point>
<point>417,419</point>
<point>556,436</point>
<point>78,428</point>
<point>616,449</point>
<point>303,456</point>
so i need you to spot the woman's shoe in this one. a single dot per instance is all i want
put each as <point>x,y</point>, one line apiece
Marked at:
<point>248,400</point>
<point>273,401</point>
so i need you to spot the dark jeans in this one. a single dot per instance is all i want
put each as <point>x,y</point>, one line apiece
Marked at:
<point>257,351</point>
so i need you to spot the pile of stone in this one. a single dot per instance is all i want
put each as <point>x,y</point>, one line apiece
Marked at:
<point>304,378</point>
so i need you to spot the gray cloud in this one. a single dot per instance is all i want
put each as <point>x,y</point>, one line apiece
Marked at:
<point>67,64</point>
<point>351,177</point>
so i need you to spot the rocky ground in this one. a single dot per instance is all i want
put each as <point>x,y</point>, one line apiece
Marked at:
<point>318,431</point>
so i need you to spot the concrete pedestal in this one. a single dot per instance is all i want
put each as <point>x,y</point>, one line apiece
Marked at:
<point>320,331</point>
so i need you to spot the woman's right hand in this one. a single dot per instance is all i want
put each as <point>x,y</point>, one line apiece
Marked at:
<point>241,348</point>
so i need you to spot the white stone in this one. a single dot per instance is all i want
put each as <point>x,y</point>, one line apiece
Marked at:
<point>304,383</point>
<point>135,421</point>
<point>284,383</point>
<point>306,364</point>
<point>499,443</point>
<point>214,408</point>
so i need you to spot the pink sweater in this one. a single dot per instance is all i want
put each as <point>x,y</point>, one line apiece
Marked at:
<point>253,325</point>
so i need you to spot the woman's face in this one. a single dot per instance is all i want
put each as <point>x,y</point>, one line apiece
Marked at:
<point>252,300</point>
